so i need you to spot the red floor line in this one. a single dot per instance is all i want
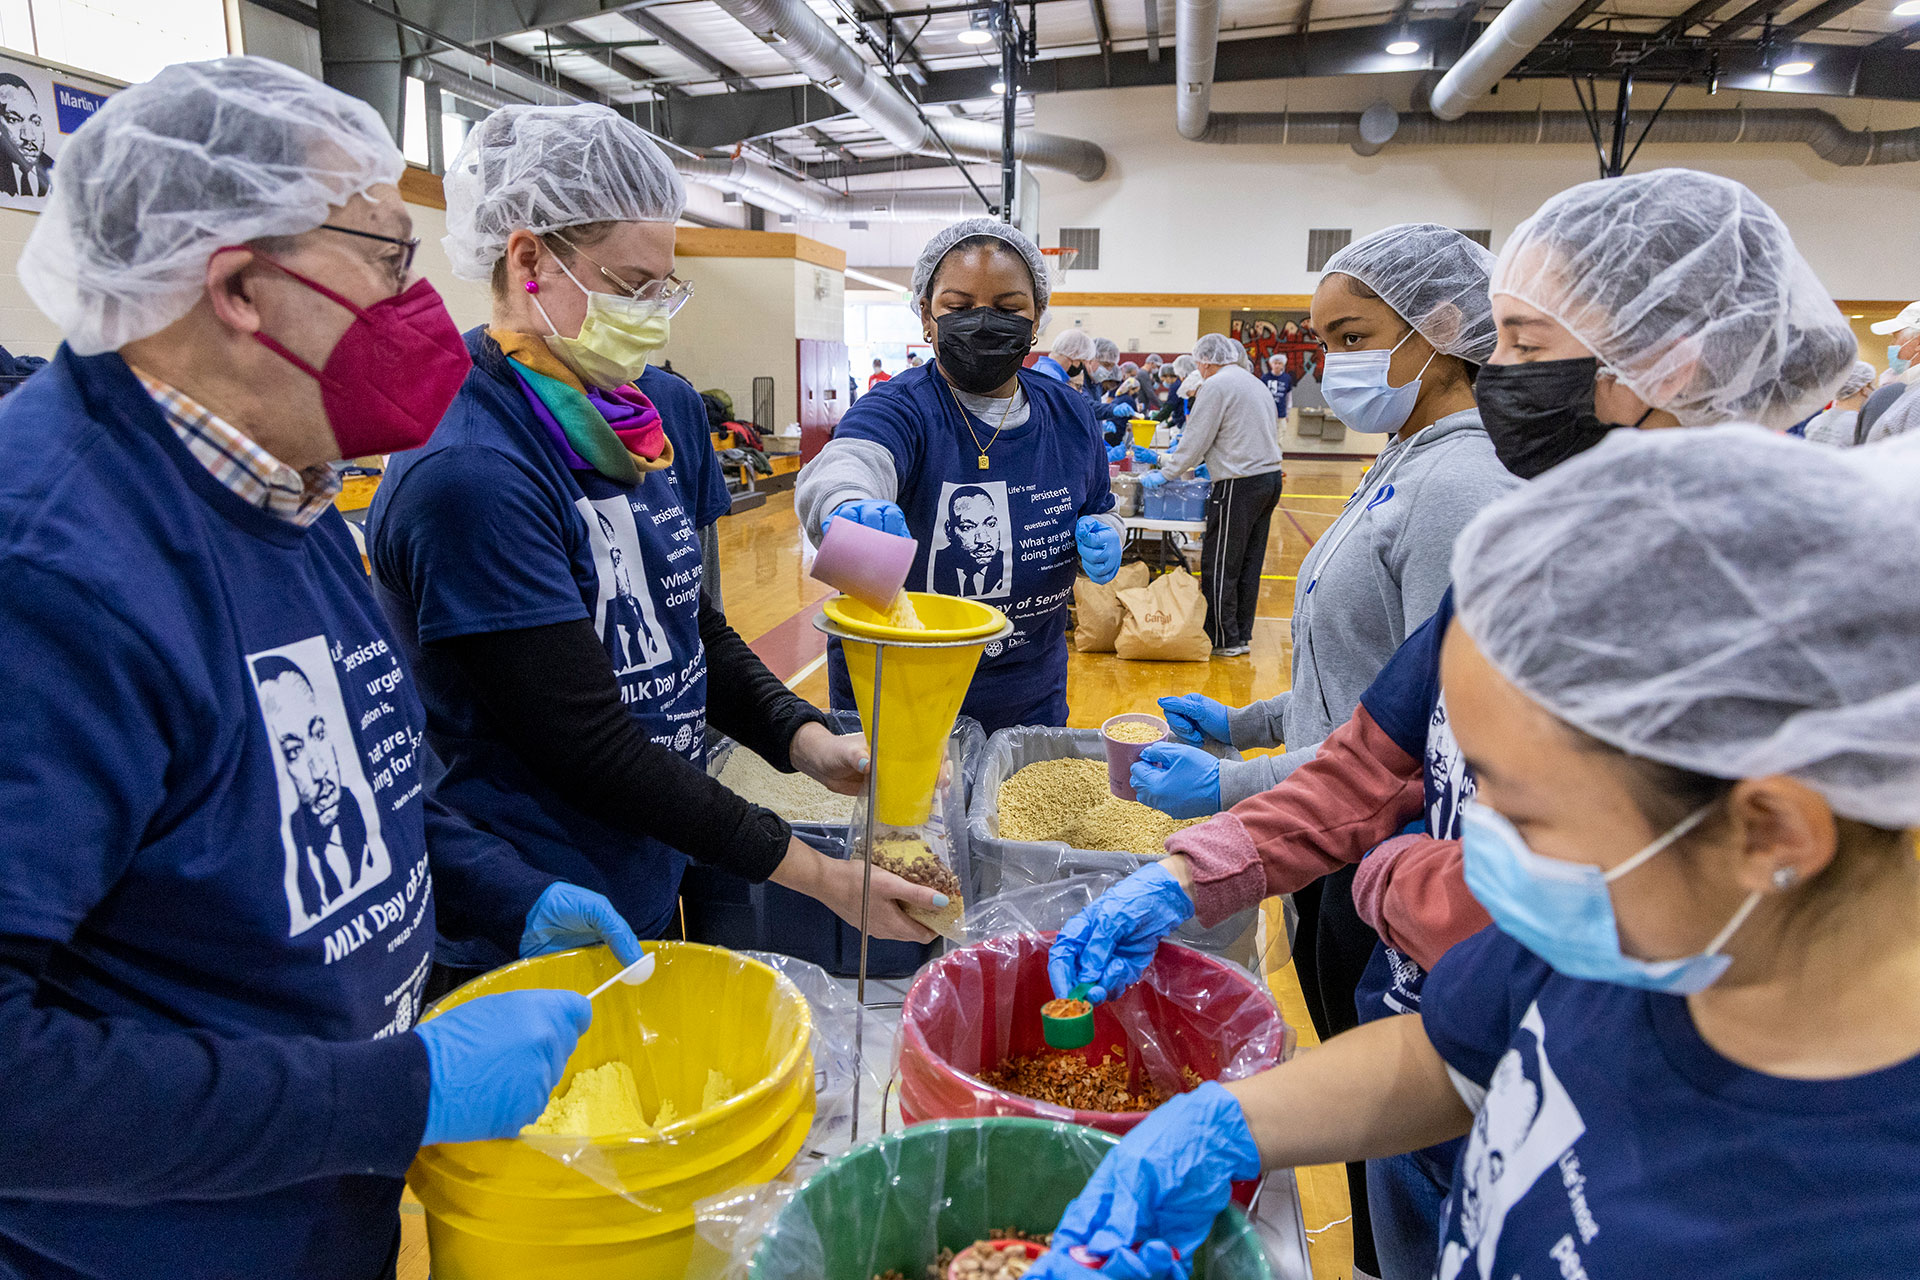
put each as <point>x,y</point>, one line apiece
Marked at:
<point>790,645</point>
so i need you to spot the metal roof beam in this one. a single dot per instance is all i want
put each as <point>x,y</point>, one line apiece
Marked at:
<point>1697,12</point>
<point>1899,39</point>
<point>670,37</point>
<point>1747,17</point>
<point>1816,17</point>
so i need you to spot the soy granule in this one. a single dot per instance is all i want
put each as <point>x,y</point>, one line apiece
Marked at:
<point>1069,801</point>
<point>1135,731</point>
<point>794,796</point>
<point>1069,1080</point>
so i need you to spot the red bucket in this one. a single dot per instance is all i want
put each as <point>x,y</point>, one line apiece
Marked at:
<point>977,1006</point>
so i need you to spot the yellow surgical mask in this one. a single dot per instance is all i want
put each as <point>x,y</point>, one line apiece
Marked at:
<point>618,339</point>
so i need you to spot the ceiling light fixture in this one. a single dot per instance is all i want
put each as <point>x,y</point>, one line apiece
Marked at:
<point>974,35</point>
<point>1907,10</point>
<point>997,88</point>
<point>1400,48</point>
<point>1798,67</point>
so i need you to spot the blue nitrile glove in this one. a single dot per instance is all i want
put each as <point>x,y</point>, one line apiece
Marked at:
<point>1200,472</point>
<point>494,1060</point>
<point>1112,941</point>
<point>1195,718</point>
<point>873,513</point>
<point>1178,780</point>
<point>1118,453</point>
<point>568,916</point>
<point>1153,1261</point>
<point>1166,1182</point>
<point>1100,547</point>
<point>1143,454</point>
<point>1153,479</point>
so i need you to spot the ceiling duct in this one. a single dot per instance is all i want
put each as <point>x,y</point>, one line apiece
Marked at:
<point>816,51</point>
<point>764,185</point>
<point>1511,36</point>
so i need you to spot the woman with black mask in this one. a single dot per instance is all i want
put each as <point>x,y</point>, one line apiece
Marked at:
<point>997,472</point>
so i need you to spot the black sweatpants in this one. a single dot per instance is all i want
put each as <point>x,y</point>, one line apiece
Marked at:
<point>1239,512</point>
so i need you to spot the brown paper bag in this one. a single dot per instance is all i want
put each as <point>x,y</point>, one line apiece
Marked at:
<point>1096,608</point>
<point>1166,621</point>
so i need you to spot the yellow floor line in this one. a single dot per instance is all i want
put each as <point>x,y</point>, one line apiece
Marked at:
<point>1278,577</point>
<point>800,675</point>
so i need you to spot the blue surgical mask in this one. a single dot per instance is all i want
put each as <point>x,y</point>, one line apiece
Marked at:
<point>1563,913</point>
<point>1894,363</point>
<point>1355,385</point>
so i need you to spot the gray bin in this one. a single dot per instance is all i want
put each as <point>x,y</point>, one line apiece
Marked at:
<point>996,866</point>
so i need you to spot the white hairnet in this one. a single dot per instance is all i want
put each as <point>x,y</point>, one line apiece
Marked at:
<point>1075,346</point>
<point>1218,348</point>
<point>1690,289</point>
<point>1129,369</point>
<point>1107,350</point>
<point>970,228</point>
<point>1184,365</point>
<point>1190,385</point>
<point>203,155</point>
<point>1726,601</point>
<point>1859,378</point>
<point>544,169</point>
<point>1434,278</point>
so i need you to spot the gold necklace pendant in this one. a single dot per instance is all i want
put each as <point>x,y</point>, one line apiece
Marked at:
<point>983,462</point>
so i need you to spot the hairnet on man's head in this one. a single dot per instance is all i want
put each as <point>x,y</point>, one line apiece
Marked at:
<point>1218,348</point>
<point>1727,601</point>
<point>1108,350</point>
<point>1184,365</point>
<point>203,155</point>
<point>544,169</point>
<point>1859,378</point>
<point>966,229</point>
<point>1690,289</point>
<point>1075,346</point>
<point>1434,278</point>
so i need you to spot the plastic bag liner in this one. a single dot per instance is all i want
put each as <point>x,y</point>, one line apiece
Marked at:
<point>892,1204</point>
<point>998,866</point>
<point>771,1034</point>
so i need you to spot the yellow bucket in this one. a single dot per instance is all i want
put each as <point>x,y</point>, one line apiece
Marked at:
<point>1143,429</point>
<point>922,689</point>
<point>624,1206</point>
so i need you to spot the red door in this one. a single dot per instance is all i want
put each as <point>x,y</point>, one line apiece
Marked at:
<point>823,392</point>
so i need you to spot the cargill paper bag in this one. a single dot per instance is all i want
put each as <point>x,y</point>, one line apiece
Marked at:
<point>1166,621</point>
<point>1096,608</point>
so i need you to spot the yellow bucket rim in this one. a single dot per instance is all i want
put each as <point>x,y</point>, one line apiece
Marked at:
<point>779,1077</point>
<point>836,611</point>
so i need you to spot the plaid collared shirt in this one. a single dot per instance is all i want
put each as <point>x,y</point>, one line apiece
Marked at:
<point>257,477</point>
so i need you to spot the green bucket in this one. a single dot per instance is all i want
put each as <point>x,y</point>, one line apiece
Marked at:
<point>893,1203</point>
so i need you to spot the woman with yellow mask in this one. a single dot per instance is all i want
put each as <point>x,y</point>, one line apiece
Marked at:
<point>538,555</point>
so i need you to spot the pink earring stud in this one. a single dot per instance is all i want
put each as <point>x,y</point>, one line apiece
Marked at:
<point>533,286</point>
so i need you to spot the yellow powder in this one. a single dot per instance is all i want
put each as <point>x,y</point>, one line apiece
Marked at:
<point>1137,731</point>
<point>600,1102</point>
<point>718,1090</point>
<point>901,614</point>
<point>668,1114</point>
<point>1069,801</point>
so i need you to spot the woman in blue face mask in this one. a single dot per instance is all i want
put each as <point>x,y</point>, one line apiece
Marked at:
<point>998,472</point>
<point>1690,1046</point>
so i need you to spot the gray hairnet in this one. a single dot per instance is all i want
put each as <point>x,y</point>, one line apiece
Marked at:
<point>1129,369</point>
<point>1184,365</point>
<point>967,229</point>
<point>544,169</point>
<point>1107,350</point>
<point>1075,346</point>
<point>1727,601</point>
<point>203,155</point>
<point>1218,348</point>
<point>1859,378</point>
<point>1434,278</point>
<point>1689,287</point>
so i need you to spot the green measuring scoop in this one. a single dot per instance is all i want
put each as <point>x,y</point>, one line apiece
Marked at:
<point>1074,1030</point>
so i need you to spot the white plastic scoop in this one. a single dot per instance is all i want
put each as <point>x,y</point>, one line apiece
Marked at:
<point>633,975</point>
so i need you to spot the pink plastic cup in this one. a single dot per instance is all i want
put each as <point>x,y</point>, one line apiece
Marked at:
<point>1121,755</point>
<point>867,564</point>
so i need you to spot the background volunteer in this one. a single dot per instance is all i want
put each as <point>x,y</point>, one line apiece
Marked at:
<point>541,556</point>
<point>221,875</point>
<point>1674,876</point>
<point>1835,424</point>
<point>1230,431</point>
<point>999,474</point>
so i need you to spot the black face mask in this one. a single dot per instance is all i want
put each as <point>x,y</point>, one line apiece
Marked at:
<point>1539,414</point>
<point>981,347</point>
<point>1075,370</point>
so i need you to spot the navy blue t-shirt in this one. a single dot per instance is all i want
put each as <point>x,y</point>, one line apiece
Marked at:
<point>1611,1140</point>
<point>1280,386</point>
<point>1003,535</point>
<point>486,529</point>
<point>211,808</point>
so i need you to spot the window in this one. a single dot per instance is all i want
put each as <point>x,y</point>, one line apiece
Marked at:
<point>1087,241</point>
<point>1323,243</point>
<point>126,39</point>
<point>1481,236</point>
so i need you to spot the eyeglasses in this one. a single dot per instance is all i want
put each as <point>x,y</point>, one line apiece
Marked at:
<point>668,294</point>
<point>408,247</point>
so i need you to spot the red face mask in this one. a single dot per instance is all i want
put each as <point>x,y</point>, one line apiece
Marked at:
<point>394,372</point>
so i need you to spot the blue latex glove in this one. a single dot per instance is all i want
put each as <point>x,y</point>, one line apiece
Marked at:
<point>1100,547</point>
<point>1118,453</point>
<point>1200,472</point>
<point>1112,941</point>
<point>1178,780</point>
<point>1166,1182</point>
<point>1153,1261</point>
<point>1143,454</point>
<point>1196,718</point>
<point>1153,479</point>
<point>873,513</point>
<point>568,916</point>
<point>493,1061</point>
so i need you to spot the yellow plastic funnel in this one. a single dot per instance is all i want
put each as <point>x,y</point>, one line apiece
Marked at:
<point>921,688</point>
<point>1143,429</point>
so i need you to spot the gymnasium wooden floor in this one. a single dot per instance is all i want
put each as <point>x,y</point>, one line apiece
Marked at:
<point>768,600</point>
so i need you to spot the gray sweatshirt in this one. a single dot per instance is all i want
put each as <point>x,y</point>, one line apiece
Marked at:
<point>1231,428</point>
<point>1372,578</point>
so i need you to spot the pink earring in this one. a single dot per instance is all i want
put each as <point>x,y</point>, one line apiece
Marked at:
<point>533,286</point>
